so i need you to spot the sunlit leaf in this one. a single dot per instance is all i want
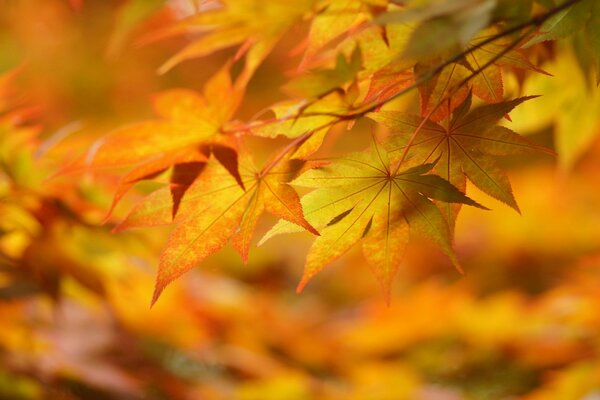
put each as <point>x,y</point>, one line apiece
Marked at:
<point>216,209</point>
<point>466,148</point>
<point>360,195</point>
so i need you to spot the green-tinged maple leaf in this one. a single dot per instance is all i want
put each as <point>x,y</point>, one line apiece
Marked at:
<point>214,209</point>
<point>480,71</point>
<point>188,130</point>
<point>290,122</point>
<point>321,82</point>
<point>297,118</point>
<point>327,104</point>
<point>582,16</point>
<point>467,146</point>
<point>256,25</point>
<point>328,97</point>
<point>443,27</point>
<point>383,69</point>
<point>565,22</point>
<point>485,62</point>
<point>362,196</point>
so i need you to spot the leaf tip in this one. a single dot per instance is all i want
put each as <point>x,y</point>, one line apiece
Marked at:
<point>262,240</point>
<point>458,266</point>
<point>481,206</point>
<point>166,66</point>
<point>311,229</point>
<point>456,263</point>
<point>302,284</point>
<point>106,218</point>
<point>158,289</point>
<point>110,211</point>
<point>120,227</point>
<point>513,204</point>
<point>387,297</point>
<point>387,293</point>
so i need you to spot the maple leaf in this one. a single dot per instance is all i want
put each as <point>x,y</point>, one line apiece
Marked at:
<point>256,25</point>
<point>290,122</point>
<point>186,119</point>
<point>188,130</point>
<point>467,147</point>
<point>486,61</point>
<point>320,82</point>
<point>363,195</point>
<point>446,87</point>
<point>442,27</point>
<point>215,209</point>
<point>330,96</point>
<point>567,21</point>
<point>153,168</point>
<point>294,119</point>
<point>389,81</point>
<point>478,68</point>
<point>579,16</point>
<point>479,72</point>
<point>383,71</point>
<point>379,45</point>
<point>336,18</point>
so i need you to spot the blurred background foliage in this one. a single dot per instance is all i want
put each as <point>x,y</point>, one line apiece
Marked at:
<point>523,322</point>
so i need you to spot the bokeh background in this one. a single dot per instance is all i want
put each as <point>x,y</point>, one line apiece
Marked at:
<point>523,322</point>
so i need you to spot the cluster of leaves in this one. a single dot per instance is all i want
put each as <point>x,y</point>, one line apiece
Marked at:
<point>358,57</point>
<point>522,323</point>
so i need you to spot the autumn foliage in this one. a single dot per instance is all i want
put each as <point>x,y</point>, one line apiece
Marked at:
<point>403,139</point>
<point>378,197</point>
